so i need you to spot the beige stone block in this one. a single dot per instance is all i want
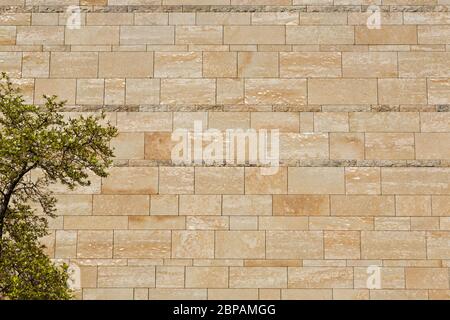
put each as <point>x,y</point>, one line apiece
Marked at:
<point>275,91</point>
<point>65,244</point>
<point>397,223</point>
<point>90,91</point>
<point>433,34</point>
<point>282,121</point>
<point>320,277</point>
<point>258,64</point>
<point>426,278</point>
<point>219,64</point>
<point>115,91</point>
<point>243,223</point>
<point>193,244</point>
<point>240,244</point>
<point>359,180</point>
<point>142,91</point>
<point>11,63</point>
<point>8,35</point>
<point>390,278</point>
<point>73,64</point>
<point>257,183</point>
<point>435,122</point>
<point>176,180</point>
<point>227,180</point>
<point>275,18</point>
<point>147,35</point>
<point>198,35</point>
<point>342,91</point>
<point>144,121</point>
<point>123,277</point>
<point>177,294</point>
<point>158,145</point>
<point>294,245</point>
<point>151,18</point>
<point>35,64</point>
<point>294,146</point>
<point>35,35</point>
<point>424,64</point>
<point>247,205</point>
<point>438,91</point>
<point>425,223</point>
<point>179,91</point>
<point>369,64</point>
<point>92,35</point>
<point>129,145</point>
<point>413,205</point>
<point>228,120</point>
<point>386,35</point>
<point>258,277</point>
<point>170,277</point>
<point>316,180</point>
<point>15,19</point>
<point>64,89</point>
<point>178,64</point>
<point>438,245</point>
<point>108,294</point>
<point>102,19</point>
<point>319,35</point>
<point>331,122</point>
<point>254,35</point>
<point>156,222</point>
<point>347,146</point>
<point>269,294</point>
<point>223,18</point>
<point>95,222</point>
<point>206,277</point>
<point>181,18</point>
<point>411,181</point>
<point>391,146</point>
<point>186,120</point>
<point>94,244</point>
<point>207,223</point>
<point>302,205</point>
<point>200,204</point>
<point>233,294</point>
<point>361,205</point>
<point>142,244</point>
<point>402,91</point>
<point>441,205</point>
<point>350,294</point>
<point>230,91</point>
<point>341,223</point>
<point>125,64</point>
<point>283,223</point>
<point>306,294</point>
<point>393,245</point>
<point>310,64</point>
<point>384,122</point>
<point>322,18</point>
<point>76,205</point>
<point>342,244</point>
<point>131,180</point>
<point>432,145</point>
<point>164,205</point>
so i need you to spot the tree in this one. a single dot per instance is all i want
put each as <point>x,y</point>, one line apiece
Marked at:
<point>39,147</point>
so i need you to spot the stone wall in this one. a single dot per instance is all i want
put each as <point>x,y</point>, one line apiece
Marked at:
<point>363,115</point>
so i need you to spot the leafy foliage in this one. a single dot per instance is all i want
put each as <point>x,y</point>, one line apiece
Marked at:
<point>39,147</point>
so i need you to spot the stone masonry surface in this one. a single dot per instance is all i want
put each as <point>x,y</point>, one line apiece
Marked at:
<point>363,114</point>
